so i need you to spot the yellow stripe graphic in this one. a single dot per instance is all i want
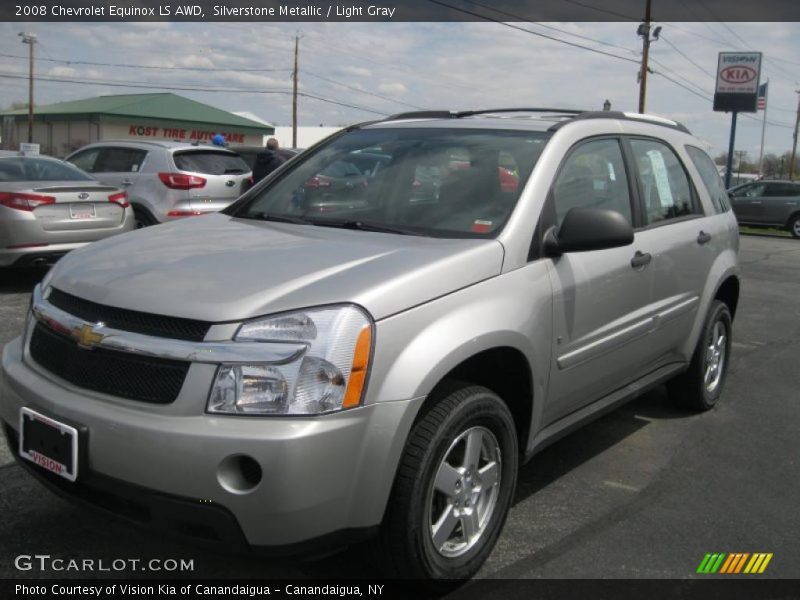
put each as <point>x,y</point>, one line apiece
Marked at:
<point>765,563</point>
<point>753,564</point>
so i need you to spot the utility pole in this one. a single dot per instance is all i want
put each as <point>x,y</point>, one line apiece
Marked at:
<point>794,137</point>
<point>294,93</point>
<point>644,32</point>
<point>30,39</point>
<point>740,155</point>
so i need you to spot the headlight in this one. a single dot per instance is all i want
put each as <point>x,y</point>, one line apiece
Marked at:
<point>327,376</point>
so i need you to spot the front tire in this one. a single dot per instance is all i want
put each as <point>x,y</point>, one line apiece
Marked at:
<point>453,487</point>
<point>700,386</point>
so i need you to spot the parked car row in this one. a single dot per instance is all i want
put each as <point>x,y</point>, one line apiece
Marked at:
<point>48,207</point>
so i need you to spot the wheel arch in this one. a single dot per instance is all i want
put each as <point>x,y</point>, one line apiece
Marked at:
<point>504,370</point>
<point>728,292</point>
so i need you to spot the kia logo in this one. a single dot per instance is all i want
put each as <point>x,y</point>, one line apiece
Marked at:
<point>738,74</point>
<point>83,196</point>
<point>230,183</point>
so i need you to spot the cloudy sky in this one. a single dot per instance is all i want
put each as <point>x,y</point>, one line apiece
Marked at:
<point>392,67</point>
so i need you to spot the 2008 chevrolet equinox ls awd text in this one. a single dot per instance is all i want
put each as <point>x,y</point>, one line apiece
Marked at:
<point>381,368</point>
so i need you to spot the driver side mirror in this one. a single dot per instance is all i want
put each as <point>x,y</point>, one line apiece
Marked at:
<point>585,229</point>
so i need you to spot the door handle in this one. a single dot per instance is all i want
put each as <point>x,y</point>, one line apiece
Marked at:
<point>703,238</point>
<point>641,259</point>
<point>755,202</point>
<point>126,182</point>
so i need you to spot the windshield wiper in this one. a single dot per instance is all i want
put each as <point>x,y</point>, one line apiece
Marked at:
<point>367,226</point>
<point>262,216</point>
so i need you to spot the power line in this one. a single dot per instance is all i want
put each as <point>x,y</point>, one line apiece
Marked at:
<point>536,33</point>
<point>155,67</point>
<point>679,51</point>
<point>413,70</point>
<point>678,75</point>
<point>564,31</point>
<point>603,10</point>
<point>356,89</point>
<point>188,88</point>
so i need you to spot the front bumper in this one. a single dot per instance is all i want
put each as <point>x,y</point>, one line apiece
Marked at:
<point>321,475</point>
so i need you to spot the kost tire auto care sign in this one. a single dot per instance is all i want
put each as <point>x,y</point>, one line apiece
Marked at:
<point>738,75</point>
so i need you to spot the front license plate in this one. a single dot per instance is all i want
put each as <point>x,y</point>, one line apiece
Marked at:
<point>82,211</point>
<point>48,443</point>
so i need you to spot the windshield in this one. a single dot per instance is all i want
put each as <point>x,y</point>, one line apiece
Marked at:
<point>436,182</point>
<point>39,169</point>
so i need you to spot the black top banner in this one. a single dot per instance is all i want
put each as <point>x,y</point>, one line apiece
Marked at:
<point>398,10</point>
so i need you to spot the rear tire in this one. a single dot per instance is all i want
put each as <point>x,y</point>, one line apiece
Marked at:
<point>453,488</point>
<point>794,226</point>
<point>700,386</point>
<point>143,217</point>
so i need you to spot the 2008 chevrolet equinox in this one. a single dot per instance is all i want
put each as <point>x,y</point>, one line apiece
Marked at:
<point>378,365</point>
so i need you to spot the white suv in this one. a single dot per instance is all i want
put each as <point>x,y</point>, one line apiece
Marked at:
<point>166,180</point>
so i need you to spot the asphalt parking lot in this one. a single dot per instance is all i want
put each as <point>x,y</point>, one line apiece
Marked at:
<point>645,492</point>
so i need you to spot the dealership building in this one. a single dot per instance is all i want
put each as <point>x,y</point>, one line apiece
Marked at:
<point>63,127</point>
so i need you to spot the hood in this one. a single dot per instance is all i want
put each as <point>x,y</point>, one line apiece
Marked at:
<point>218,268</point>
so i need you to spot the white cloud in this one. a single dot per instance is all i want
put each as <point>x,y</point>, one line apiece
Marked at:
<point>393,88</point>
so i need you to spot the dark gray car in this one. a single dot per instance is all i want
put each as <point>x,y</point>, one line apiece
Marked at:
<point>768,204</point>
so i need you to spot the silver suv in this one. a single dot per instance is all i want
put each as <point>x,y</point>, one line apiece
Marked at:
<point>291,379</point>
<point>166,180</point>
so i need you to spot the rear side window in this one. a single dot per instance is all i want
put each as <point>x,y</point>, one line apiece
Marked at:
<point>38,169</point>
<point>782,189</point>
<point>209,162</point>
<point>711,179</point>
<point>666,191</point>
<point>119,160</point>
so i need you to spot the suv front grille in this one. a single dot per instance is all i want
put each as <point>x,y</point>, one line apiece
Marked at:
<point>143,378</point>
<point>130,320</point>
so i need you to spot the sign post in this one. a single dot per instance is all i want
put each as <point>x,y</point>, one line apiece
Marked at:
<point>738,76</point>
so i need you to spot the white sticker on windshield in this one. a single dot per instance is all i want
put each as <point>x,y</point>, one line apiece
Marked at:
<point>611,174</point>
<point>661,177</point>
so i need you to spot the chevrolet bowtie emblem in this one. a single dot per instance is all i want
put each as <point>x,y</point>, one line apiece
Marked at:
<point>86,336</point>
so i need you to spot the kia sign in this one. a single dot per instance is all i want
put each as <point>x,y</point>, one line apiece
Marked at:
<point>738,76</point>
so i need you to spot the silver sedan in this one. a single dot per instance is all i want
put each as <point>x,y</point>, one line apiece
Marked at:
<point>49,207</point>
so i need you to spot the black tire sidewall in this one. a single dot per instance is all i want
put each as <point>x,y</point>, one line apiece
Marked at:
<point>792,224</point>
<point>482,408</point>
<point>143,216</point>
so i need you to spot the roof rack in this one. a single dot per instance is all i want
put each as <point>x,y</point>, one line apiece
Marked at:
<point>447,114</point>
<point>569,115</point>
<point>489,111</point>
<point>604,114</point>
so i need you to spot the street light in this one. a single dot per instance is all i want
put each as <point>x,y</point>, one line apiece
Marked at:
<point>30,39</point>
